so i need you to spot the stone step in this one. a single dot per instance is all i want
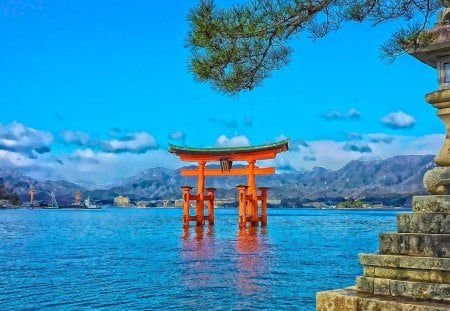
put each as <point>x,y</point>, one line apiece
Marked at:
<point>406,289</point>
<point>415,244</point>
<point>431,204</point>
<point>406,262</point>
<point>348,299</point>
<point>435,223</point>
<point>415,275</point>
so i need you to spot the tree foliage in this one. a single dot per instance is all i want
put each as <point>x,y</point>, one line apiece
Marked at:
<point>7,194</point>
<point>236,48</point>
<point>351,204</point>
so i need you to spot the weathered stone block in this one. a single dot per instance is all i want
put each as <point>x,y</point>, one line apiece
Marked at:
<point>407,262</point>
<point>364,284</point>
<point>415,244</point>
<point>431,204</point>
<point>369,271</point>
<point>437,223</point>
<point>408,289</point>
<point>379,260</point>
<point>440,276</point>
<point>338,300</point>
<point>414,275</point>
<point>377,303</point>
<point>420,290</point>
<point>401,274</point>
<point>386,273</point>
<point>441,264</point>
<point>381,287</point>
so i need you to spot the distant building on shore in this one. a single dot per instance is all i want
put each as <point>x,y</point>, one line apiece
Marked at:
<point>142,204</point>
<point>121,201</point>
<point>276,202</point>
<point>5,203</point>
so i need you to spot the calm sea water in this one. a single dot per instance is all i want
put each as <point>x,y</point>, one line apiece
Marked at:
<point>142,259</point>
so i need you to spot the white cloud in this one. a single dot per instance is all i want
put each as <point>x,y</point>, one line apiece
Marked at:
<point>76,138</point>
<point>10,159</point>
<point>16,137</point>
<point>121,158</point>
<point>373,138</point>
<point>380,138</point>
<point>178,135</point>
<point>104,167</point>
<point>237,141</point>
<point>91,167</point>
<point>361,148</point>
<point>134,143</point>
<point>398,120</point>
<point>351,114</point>
<point>103,162</point>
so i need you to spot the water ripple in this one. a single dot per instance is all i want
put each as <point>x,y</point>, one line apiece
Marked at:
<point>141,259</point>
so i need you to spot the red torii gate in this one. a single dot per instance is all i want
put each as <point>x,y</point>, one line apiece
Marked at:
<point>248,196</point>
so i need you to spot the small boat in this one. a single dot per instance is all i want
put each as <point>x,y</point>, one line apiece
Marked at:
<point>88,204</point>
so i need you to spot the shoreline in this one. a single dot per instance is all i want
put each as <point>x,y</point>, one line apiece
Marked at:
<point>174,207</point>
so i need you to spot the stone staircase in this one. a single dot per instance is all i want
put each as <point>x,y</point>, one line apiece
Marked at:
<point>412,270</point>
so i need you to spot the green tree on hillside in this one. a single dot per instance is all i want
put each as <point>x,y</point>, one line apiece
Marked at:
<point>7,194</point>
<point>236,48</point>
<point>351,204</point>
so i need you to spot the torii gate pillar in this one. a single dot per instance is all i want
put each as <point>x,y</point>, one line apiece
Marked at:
<point>200,206</point>
<point>210,205</point>
<point>242,194</point>
<point>263,199</point>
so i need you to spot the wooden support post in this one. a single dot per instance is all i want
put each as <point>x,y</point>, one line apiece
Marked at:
<point>210,205</point>
<point>253,203</point>
<point>186,198</point>
<point>242,193</point>
<point>200,206</point>
<point>263,205</point>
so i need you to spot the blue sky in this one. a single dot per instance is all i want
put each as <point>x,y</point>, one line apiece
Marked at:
<point>93,91</point>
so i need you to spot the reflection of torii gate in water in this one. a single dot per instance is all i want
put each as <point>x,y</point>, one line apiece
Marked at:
<point>248,196</point>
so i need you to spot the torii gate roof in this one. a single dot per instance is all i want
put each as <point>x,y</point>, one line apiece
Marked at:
<point>261,152</point>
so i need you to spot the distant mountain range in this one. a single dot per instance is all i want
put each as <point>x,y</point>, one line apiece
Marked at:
<point>391,181</point>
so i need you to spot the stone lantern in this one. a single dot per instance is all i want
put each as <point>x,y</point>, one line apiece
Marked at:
<point>412,269</point>
<point>437,55</point>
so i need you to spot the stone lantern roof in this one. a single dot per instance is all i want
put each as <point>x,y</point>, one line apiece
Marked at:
<point>440,47</point>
